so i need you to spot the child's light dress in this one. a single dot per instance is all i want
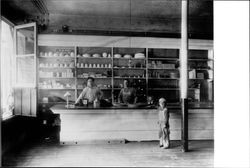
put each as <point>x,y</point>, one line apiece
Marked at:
<point>164,127</point>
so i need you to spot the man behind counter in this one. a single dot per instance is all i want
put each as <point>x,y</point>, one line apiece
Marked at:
<point>127,94</point>
<point>91,92</point>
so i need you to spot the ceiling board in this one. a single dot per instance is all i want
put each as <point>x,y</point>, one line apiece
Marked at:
<point>158,9</point>
<point>87,7</point>
<point>127,8</point>
<point>118,15</point>
<point>26,5</point>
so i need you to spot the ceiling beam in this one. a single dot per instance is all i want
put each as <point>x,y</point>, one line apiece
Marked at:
<point>41,6</point>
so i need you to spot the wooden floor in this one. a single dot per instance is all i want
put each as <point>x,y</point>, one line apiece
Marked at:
<point>115,154</point>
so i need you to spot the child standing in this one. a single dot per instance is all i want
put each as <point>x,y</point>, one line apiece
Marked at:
<point>163,124</point>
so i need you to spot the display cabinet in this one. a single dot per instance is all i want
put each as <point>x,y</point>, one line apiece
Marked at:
<point>154,72</point>
<point>200,75</point>
<point>94,62</point>
<point>56,73</point>
<point>163,74</point>
<point>25,70</point>
<point>130,64</point>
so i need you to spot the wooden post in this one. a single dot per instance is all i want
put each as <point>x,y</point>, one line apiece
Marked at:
<point>184,73</point>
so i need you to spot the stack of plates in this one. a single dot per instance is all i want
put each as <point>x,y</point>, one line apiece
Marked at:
<point>139,55</point>
<point>127,56</point>
<point>117,56</point>
<point>96,55</point>
<point>104,55</point>
<point>86,55</point>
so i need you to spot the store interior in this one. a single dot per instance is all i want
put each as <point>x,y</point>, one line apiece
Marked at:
<point>50,48</point>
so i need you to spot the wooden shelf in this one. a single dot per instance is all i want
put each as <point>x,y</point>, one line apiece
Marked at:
<point>164,78</point>
<point>40,102</point>
<point>57,57</point>
<point>94,58</point>
<point>170,88</point>
<point>95,77</point>
<point>93,68</point>
<point>58,77</point>
<point>25,55</point>
<point>128,78</point>
<point>127,68</point>
<point>56,89</point>
<point>130,58</point>
<point>201,69</point>
<point>100,88</point>
<point>163,69</point>
<point>167,59</point>
<point>201,79</point>
<point>56,67</point>
<point>163,88</point>
<point>200,59</point>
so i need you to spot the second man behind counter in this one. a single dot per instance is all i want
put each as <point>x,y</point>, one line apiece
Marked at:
<point>127,94</point>
<point>90,93</point>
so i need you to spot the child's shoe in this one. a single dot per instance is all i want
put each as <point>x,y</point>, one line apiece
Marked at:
<point>165,147</point>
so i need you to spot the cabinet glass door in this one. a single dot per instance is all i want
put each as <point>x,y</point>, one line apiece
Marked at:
<point>25,43</point>
<point>25,55</point>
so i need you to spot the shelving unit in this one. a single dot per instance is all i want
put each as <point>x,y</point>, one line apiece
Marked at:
<point>155,75</point>
<point>201,75</point>
<point>163,74</point>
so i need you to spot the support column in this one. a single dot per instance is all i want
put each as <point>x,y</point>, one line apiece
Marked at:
<point>184,73</point>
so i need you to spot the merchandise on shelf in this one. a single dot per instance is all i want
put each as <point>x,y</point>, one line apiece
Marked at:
<point>139,55</point>
<point>66,74</point>
<point>53,84</point>
<point>96,55</point>
<point>57,65</point>
<point>200,75</point>
<point>192,74</point>
<point>160,65</point>
<point>85,65</point>
<point>57,54</point>
<point>92,74</point>
<point>158,70</point>
<point>210,74</point>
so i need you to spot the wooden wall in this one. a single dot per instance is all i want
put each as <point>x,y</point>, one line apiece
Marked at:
<point>197,26</point>
<point>119,41</point>
<point>25,101</point>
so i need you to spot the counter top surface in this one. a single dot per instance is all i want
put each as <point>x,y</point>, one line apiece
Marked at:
<point>140,107</point>
<point>63,106</point>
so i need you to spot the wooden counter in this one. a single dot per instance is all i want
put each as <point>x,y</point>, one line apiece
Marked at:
<point>133,124</point>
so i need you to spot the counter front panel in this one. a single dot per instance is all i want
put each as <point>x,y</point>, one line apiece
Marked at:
<point>133,124</point>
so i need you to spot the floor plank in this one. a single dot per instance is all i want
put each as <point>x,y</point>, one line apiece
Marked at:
<point>115,154</point>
